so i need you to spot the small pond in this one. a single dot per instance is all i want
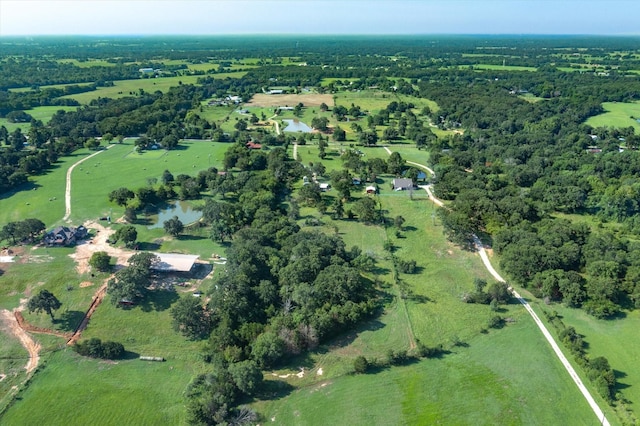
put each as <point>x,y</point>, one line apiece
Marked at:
<point>294,125</point>
<point>183,209</point>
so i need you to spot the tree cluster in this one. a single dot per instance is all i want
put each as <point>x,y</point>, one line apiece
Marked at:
<point>96,348</point>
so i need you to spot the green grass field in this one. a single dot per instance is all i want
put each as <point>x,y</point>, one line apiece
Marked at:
<point>119,167</point>
<point>43,113</point>
<point>506,377</point>
<point>618,114</point>
<point>490,67</point>
<point>122,88</point>
<point>79,390</point>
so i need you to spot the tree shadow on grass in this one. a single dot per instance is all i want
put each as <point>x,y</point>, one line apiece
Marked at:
<point>158,300</point>
<point>274,389</point>
<point>419,298</point>
<point>129,355</point>
<point>69,320</point>
<point>148,246</point>
<point>347,338</point>
<point>620,375</point>
<point>187,237</point>
<point>144,221</point>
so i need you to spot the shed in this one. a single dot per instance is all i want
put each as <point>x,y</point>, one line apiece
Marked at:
<point>371,189</point>
<point>173,262</point>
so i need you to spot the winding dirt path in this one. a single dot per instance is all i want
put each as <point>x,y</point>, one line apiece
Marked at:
<point>545,332</point>
<point>33,348</point>
<point>67,192</point>
<point>10,319</point>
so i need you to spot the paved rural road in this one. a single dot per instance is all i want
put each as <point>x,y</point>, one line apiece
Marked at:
<point>487,263</point>
<point>67,192</point>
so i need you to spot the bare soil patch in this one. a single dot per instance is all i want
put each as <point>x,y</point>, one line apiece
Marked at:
<point>10,324</point>
<point>86,284</point>
<point>85,249</point>
<point>309,100</point>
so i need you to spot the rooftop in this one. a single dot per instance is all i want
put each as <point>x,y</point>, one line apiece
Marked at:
<point>173,262</point>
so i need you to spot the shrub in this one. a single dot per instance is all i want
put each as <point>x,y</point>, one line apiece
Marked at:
<point>496,321</point>
<point>360,365</point>
<point>94,348</point>
<point>407,266</point>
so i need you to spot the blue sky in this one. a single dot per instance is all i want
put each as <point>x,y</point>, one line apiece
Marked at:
<point>33,17</point>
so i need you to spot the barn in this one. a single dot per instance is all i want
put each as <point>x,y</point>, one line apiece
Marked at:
<point>174,262</point>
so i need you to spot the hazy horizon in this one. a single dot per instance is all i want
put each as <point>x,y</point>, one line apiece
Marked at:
<point>318,17</point>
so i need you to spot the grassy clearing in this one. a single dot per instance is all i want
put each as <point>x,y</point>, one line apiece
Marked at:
<point>43,113</point>
<point>120,167</point>
<point>124,88</point>
<point>491,67</point>
<point>618,114</point>
<point>79,390</point>
<point>13,358</point>
<point>375,100</point>
<point>603,339</point>
<point>529,97</point>
<point>36,199</point>
<point>501,378</point>
<point>88,63</point>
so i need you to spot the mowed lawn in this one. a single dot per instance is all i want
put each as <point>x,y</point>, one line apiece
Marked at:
<point>618,114</point>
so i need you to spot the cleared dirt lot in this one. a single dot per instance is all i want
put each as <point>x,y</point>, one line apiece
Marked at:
<point>312,99</point>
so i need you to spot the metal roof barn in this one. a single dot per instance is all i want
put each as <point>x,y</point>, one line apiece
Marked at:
<point>172,262</point>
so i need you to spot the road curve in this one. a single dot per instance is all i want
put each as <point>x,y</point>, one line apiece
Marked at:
<point>545,332</point>
<point>67,191</point>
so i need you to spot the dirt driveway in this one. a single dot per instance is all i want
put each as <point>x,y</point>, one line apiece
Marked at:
<point>86,248</point>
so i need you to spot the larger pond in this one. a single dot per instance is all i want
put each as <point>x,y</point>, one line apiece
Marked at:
<point>183,209</point>
<point>294,125</point>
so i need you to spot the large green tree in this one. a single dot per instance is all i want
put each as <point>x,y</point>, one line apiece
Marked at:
<point>44,301</point>
<point>190,318</point>
<point>173,226</point>
<point>121,196</point>
<point>100,260</point>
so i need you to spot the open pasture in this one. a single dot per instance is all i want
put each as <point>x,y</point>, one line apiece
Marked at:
<point>43,113</point>
<point>79,390</point>
<point>618,114</point>
<point>309,100</point>
<point>88,63</point>
<point>493,67</point>
<point>603,339</point>
<point>122,88</point>
<point>506,377</point>
<point>119,167</point>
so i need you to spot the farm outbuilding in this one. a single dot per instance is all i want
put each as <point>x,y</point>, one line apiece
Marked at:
<point>402,183</point>
<point>173,262</point>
